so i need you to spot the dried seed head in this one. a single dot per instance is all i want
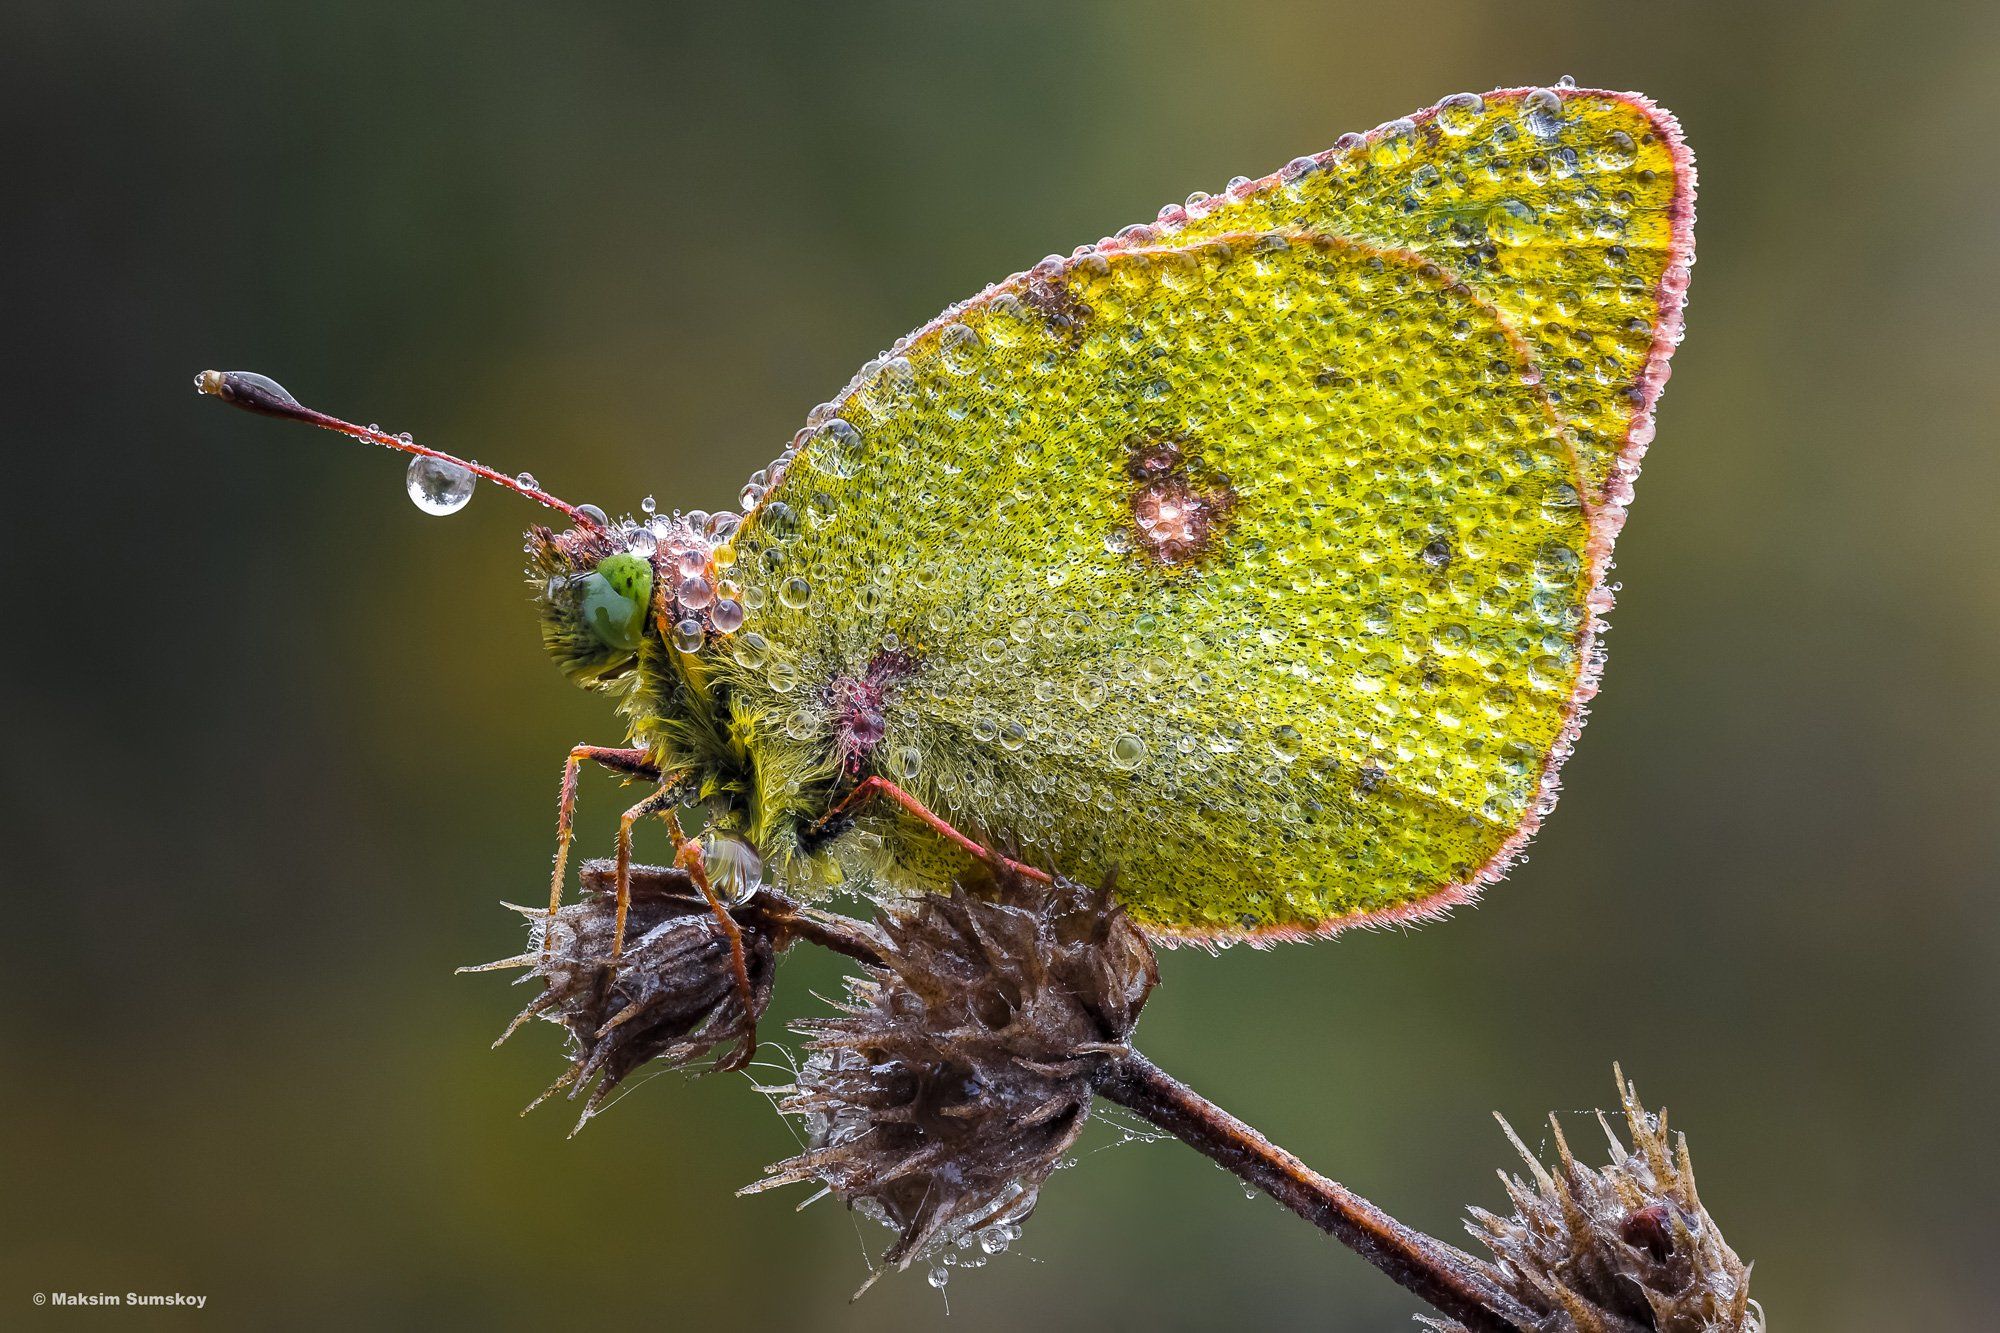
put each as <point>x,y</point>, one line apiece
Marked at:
<point>1628,1249</point>
<point>958,1075</point>
<point>673,997</point>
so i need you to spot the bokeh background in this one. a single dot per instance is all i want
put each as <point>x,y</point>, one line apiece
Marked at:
<point>276,743</point>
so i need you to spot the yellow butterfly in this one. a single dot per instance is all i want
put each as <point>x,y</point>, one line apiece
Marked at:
<point>1254,557</point>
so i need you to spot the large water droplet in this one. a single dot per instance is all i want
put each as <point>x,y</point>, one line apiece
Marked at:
<point>1128,751</point>
<point>1459,114</point>
<point>1511,222</point>
<point>1541,114</point>
<point>438,486</point>
<point>695,593</point>
<point>1395,143</point>
<point>1617,151</point>
<point>835,449</point>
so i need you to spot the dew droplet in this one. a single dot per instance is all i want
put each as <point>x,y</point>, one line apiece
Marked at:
<point>649,505</point>
<point>958,348</point>
<point>695,593</point>
<point>1128,751</point>
<point>726,616</point>
<point>437,486</point>
<point>1511,222</point>
<point>1395,142</point>
<point>1459,114</point>
<point>752,650</point>
<point>593,513</point>
<point>528,479</point>
<point>642,543</point>
<point>1617,152</point>
<point>1541,114</point>
<point>835,448</point>
<point>795,592</point>
<point>1285,742</point>
<point>778,521</point>
<point>688,636</point>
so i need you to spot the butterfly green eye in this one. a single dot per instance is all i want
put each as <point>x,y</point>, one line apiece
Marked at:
<point>613,598</point>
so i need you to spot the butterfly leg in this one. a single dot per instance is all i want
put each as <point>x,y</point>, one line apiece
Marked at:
<point>881,787</point>
<point>631,763</point>
<point>688,857</point>
<point>660,802</point>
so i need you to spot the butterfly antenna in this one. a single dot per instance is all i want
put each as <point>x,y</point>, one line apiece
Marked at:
<point>260,394</point>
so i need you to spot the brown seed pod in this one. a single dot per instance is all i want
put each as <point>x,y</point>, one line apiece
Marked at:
<point>1625,1249</point>
<point>958,1074</point>
<point>673,996</point>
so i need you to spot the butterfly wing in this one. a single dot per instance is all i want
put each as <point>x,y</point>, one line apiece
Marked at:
<point>1257,568</point>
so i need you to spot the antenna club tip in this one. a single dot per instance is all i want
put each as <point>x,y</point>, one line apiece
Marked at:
<point>252,392</point>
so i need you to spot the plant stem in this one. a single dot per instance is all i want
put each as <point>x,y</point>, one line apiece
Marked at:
<point>1440,1274</point>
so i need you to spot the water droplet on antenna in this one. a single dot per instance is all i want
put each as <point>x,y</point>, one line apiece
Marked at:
<point>438,486</point>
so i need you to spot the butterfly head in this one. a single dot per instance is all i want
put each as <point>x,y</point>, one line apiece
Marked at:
<point>602,590</point>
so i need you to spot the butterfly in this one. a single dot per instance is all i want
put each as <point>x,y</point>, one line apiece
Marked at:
<point>1252,559</point>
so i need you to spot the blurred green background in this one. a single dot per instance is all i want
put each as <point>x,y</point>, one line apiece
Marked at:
<point>277,743</point>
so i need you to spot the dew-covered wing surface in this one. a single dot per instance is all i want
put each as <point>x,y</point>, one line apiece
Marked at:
<point>1571,210</point>
<point>1248,559</point>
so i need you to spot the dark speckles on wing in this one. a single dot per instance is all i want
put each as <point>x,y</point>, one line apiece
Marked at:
<point>1066,316</point>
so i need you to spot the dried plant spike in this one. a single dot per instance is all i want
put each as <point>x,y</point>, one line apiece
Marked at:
<point>960,1070</point>
<point>1628,1248</point>
<point>672,996</point>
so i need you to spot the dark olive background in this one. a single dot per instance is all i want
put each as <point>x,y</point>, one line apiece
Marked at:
<point>276,742</point>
